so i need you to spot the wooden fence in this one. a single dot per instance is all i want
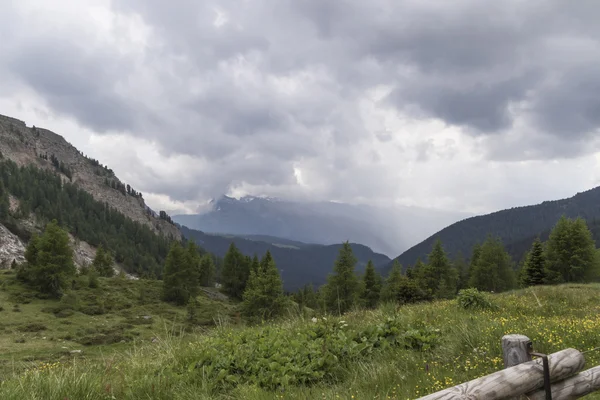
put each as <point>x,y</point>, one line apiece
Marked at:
<point>523,378</point>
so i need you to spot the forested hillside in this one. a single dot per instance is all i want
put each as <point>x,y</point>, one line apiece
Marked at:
<point>299,263</point>
<point>43,194</point>
<point>517,226</point>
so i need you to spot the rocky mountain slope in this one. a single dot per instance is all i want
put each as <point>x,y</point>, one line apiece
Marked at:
<point>24,145</point>
<point>47,151</point>
<point>385,230</point>
<point>516,227</point>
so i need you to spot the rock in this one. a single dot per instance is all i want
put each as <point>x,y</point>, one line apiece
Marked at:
<point>154,340</point>
<point>11,248</point>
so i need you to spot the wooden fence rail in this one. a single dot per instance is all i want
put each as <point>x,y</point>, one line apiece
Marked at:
<point>523,378</point>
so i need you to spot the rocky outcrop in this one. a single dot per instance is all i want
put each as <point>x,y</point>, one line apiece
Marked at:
<point>11,248</point>
<point>23,145</point>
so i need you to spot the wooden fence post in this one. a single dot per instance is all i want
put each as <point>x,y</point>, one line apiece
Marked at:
<point>515,381</point>
<point>515,350</point>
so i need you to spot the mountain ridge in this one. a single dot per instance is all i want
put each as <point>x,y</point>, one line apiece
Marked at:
<point>386,231</point>
<point>304,264</point>
<point>512,226</point>
<point>25,145</point>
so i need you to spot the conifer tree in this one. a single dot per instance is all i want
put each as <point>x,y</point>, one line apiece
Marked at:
<point>4,202</point>
<point>401,289</point>
<point>235,272</point>
<point>343,285</point>
<point>49,257</point>
<point>103,263</point>
<point>372,286</point>
<point>492,270</point>
<point>534,269</point>
<point>255,265</point>
<point>207,270</point>
<point>462,268</point>
<point>263,297</point>
<point>180,279</point>
<point>438,276</point>
<point>571,252</point>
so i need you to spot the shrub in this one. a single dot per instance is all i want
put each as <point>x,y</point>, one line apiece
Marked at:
<point>473,299</point>
<point>273,357</point>
<point>33,327</point>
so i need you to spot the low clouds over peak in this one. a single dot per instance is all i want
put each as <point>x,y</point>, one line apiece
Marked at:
<point>384,101</point>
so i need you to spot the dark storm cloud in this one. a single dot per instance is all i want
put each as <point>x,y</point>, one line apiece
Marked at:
<point>76,82</point>
<point>282,79</point>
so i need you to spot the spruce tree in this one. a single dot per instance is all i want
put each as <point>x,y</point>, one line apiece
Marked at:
<point>534,269</point>
<point>180,279</point>
<point>401,289</point>
<point>49,257</point>
<point>263,296</point>
<point>343,285</point>
<point>372,286</point>
<point>492,270</point>
<point>571,252</point>
<point>438,276</point>
<point>207,270</point>
<point>235,272</point>
<point>4,202</point>
<point>462,268</point>
<point>103,263</point>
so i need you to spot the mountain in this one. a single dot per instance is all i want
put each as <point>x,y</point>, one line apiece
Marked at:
<point>43,177</point>
<point>385,230</point>
<point>299,263</point>
<point>516,227</point>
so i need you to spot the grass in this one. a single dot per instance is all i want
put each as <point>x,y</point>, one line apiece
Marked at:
<point>88,323</point>
<point>554,318</point>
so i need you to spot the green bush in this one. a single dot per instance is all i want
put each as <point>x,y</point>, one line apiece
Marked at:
<point>473,299</point>
<point>273,357</point>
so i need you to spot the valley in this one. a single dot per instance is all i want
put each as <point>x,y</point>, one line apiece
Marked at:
<point>136,304</point>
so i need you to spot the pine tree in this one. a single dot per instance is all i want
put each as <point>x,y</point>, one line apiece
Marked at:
<point>492,270</point>
<point>571,252</point>
<point>263,297</point>
<point>180,280</point>
<point>343,285</point>
<point>255,265</point>
<point>462,268</point>
<point>438,276</point>
<point>372,286</point>
<point>401,289</point>
<point>206,273</point>
<point>4,202</point>
<point>93,279</point>
<point>103,263</point>
<point>49,257</point>
<point>235,272</point>
<point>534,269</point>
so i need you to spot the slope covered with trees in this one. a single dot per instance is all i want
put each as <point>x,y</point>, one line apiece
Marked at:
<point>299,264</point>
<point>517,225</point>
<point>44,194</point>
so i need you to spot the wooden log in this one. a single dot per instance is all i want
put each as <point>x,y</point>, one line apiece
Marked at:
<point>515,350</point>
<point>574,387</point>
<point>515,381</point>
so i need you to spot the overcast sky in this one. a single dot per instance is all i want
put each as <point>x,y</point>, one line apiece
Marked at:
<point>466,104</point>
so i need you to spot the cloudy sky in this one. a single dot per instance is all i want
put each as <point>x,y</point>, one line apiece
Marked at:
<point>466,104</point>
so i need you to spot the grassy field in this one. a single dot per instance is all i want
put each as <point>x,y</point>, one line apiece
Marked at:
<point>388,353</point>
<point>89,323</point>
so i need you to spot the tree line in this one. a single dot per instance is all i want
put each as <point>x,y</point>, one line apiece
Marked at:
<point>42,193</point>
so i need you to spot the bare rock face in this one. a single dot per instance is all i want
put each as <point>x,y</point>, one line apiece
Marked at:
<point>11,248</point>
<point>23,145</point>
